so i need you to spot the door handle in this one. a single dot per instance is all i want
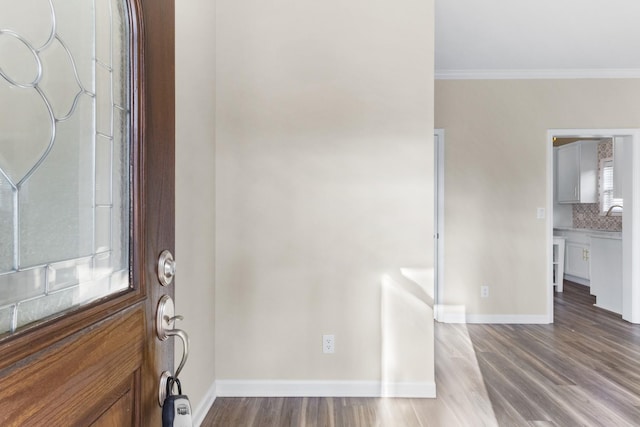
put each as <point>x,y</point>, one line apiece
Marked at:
<point>165,319</point>
<point>185,346</point>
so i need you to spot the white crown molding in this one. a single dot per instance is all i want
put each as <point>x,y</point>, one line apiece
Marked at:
<point>278,388</point>
<point>587,73</point>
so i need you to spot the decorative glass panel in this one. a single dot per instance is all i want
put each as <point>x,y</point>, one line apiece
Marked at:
<point>64,156</point>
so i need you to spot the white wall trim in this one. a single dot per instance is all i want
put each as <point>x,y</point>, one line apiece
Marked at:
<point>451,313</point>
<point>206,403</point>
<point>439,226</point>
<point>457,314</point>
<point>578,280</point>
<point>509,319</point>
<point>631,234</point>
<point>549,232</point>
<point>279,388</point>
<point>571,73</point>
<point>409,390</point>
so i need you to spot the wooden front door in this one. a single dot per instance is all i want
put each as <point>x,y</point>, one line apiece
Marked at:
<point>96,363</point>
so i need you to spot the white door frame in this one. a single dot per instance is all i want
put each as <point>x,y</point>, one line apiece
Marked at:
<point>439,223</point>
<point>630,219</point>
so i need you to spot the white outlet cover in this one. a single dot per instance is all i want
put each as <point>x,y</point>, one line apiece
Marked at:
<point>328,344</point>
<point>540,213</point>
<point>484,291</point>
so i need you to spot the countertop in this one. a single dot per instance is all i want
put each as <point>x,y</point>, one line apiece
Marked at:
<point>591,232</point>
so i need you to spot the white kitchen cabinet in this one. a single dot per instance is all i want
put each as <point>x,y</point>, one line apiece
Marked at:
<point>577,172</point>
<point>577,260</point>
<point>606,272</point>
<point>568,173</point>
<point>576,254</point>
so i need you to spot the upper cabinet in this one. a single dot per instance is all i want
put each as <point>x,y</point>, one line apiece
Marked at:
<point>577,170</point>
<point>568,168</point>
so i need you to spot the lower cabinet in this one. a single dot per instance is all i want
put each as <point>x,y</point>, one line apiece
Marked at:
<point>577,256</point>
<point>595,259</point>
<point>606,273</point>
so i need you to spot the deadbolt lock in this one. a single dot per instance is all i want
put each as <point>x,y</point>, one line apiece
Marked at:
<point>166,268</point>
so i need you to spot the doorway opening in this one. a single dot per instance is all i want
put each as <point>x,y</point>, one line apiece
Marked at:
<point>627,140</point>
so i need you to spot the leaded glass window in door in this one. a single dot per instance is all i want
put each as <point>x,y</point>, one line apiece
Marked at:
<point>64,156</point>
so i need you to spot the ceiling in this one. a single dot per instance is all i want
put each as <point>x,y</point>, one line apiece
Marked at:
<point>553,38</point>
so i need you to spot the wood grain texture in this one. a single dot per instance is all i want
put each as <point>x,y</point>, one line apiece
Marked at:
<point>121,413</point>
<point>584,370</point>
<point>157,183</point>
<point>81,377</point>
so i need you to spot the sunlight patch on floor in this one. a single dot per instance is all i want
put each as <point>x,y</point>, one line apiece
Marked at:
<point>458,377</point>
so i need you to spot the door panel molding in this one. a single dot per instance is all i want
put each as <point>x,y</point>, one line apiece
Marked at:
<point>90,367</point>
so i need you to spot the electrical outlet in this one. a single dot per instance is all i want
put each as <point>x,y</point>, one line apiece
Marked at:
<point>484,291</point>
<point>328,344</point>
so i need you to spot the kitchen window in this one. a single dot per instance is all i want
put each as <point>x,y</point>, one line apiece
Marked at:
<point>606,189</point>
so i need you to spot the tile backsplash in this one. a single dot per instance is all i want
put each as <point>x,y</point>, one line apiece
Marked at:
<point>587,215</point>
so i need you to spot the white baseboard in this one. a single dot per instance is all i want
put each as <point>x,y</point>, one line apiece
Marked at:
<point>511,74</point>
<point>457,314</point>
<point>578,280</point>
<point>409,390</point>
<point>513,319</point>
<point>277,388</point>
<point>203,408</point>
<point>451,313</point>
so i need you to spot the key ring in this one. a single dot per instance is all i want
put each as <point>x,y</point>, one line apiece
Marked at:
<point>170,382</point>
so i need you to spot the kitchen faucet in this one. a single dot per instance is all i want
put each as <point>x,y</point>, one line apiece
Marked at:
<point>611,209</point>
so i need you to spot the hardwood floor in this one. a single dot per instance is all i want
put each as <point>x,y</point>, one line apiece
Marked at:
<point>584,370</point>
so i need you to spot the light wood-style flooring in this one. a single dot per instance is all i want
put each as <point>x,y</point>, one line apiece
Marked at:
<point>584,370</point>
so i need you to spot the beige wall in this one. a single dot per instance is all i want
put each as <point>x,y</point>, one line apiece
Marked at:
<point>323,181</point>
<point>195,149</point>
<point>495,178</point>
